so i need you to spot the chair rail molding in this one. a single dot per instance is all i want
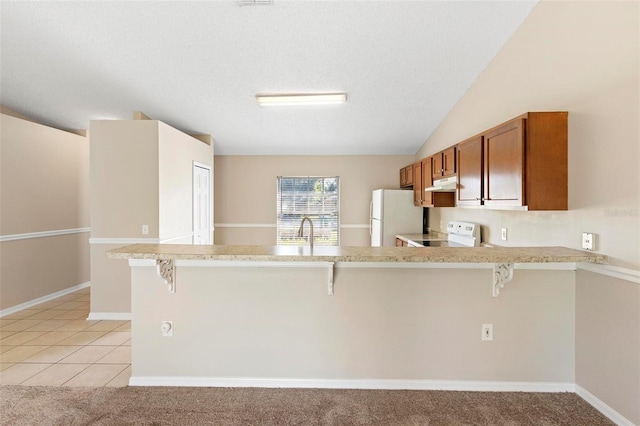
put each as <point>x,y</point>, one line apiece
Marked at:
<point>43,234</point>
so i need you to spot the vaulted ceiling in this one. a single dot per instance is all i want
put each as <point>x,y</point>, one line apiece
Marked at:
<point>198,66</point>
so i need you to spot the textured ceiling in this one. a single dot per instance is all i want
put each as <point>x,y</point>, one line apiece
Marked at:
<point>198,65</point>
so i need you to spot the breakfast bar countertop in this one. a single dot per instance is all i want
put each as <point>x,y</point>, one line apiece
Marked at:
<point>356,254</point>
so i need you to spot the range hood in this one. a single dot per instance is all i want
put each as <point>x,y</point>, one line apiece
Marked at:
<point>448,184</point>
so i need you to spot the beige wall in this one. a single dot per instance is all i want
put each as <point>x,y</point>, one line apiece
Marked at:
<point>176,153</point>
<point>124,178</point>
<point>581,57</point>
<point>608,341</point>
<point>141,174</point>
<point>43,169</point>
<point>382,323</point>
<point>245,192</point>
<point>45,187</point>
<point>38,267</point>
<point>110,282</point>
<point>124,196</point>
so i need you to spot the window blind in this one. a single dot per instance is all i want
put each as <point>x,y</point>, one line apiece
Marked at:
<point>318,198</point>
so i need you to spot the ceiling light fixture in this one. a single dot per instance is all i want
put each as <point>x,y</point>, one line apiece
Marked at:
<point>295,99</point>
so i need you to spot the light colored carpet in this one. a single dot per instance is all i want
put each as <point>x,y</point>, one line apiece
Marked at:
<point>24,405</point>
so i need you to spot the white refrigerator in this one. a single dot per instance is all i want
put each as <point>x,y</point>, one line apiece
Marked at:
<point>392,212</point>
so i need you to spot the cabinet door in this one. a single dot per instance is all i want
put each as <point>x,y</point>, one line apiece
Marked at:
<point>437,166</point>
<point>409,175</point>
<point>427,180</point>
<point>469,165</point>
<point>449,161</point>
<point>403,177</point>
<point>504,165</point>
<point>418,189</point>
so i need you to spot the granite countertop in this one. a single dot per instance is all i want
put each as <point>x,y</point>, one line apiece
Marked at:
<point>356,254</point>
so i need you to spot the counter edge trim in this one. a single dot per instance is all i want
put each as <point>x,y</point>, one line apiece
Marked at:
<point>568,266</point>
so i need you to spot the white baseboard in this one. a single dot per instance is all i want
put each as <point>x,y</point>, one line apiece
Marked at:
<point>456,385</point>
<point>109,316</point>
<point>609,412</point>
<point>48,297</point>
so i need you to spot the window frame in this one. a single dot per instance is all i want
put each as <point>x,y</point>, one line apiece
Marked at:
<point>324,212</point>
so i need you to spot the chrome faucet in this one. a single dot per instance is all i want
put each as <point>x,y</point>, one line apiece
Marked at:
<point>300,231</point>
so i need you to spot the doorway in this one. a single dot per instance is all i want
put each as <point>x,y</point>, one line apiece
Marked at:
<point>202,204</point>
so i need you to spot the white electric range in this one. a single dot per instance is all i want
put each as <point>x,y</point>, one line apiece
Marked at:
<point>460,234</point>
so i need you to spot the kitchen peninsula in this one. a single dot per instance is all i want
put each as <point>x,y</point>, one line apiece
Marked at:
<point>358,317</point>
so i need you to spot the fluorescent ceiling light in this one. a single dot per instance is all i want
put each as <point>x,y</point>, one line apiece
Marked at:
<point>289,99</point>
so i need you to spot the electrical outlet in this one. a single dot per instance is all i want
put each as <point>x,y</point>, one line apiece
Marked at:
<point>588,241</point>
<point>487,332</point>
<point>145,229</point>
<point>167,328</point>
<point>504,234</point>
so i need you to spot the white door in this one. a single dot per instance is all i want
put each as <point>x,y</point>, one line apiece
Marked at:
<point>202,214</point>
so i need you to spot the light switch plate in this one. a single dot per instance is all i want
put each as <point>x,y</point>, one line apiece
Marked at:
<point>487,332</point>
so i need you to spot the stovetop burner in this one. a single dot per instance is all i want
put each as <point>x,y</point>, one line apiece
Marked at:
<point>460,234</point>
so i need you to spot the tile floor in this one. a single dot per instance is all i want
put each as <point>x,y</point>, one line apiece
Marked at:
<point>52,344</point>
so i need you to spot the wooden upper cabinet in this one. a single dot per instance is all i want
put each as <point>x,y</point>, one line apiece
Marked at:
<point>526,162</point>
<point>521,164</point>
<point>546,179</point>
<point>409,175</point>
<point>437,166</point>
<point>449,161</point>
<point>504,164</point>
<point>406,176</point>
<point>433,199</point>
<point>444,163</point>
<point>469,166</point>
<point>418,189</point>
<point>427,197</point>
